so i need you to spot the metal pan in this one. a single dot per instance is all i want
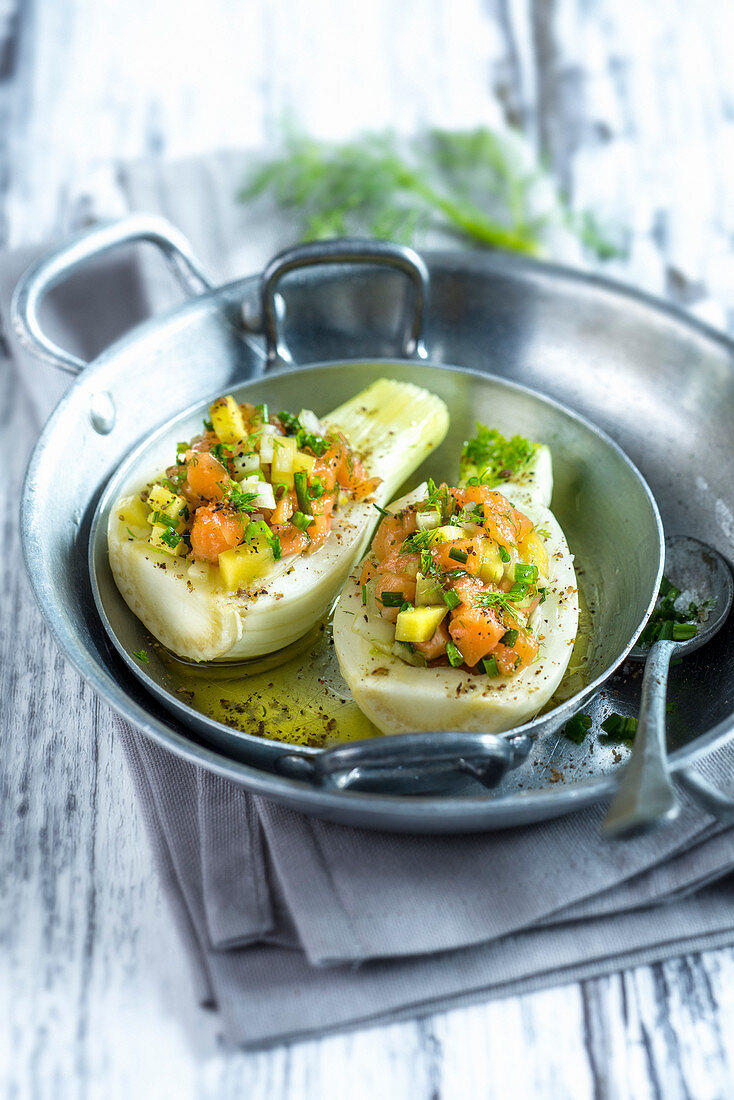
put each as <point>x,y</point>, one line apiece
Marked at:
<point>488,312</point>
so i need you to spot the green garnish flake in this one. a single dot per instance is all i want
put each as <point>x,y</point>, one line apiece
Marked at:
<point>364,595</point>
<point>454,655</point>
<point>489,664</point>
<point>492,458</point>
<point>171,538</point>
<point>164,519</point>
<point>577,727</point>
<point>451,599</point>
<point>620,727</point>
<point>274,544</point>
<point>305,440</point>
<point>222,452</point>
<point>316,488</point>
<point>243,502</point>
<point>141,655</point>
<point>132,535</point>
<point>667,623</point>
<point>382,511</point>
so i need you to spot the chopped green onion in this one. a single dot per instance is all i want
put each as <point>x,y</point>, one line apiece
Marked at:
<point>141,655</point>
<point>182,448</point>
<point>459,555</point>
<point>274,542</point>
<point>263,410</point>
<point>454,655</point>
<point>171,538</point>
<point>616,725</point>
<point>392,599</point>
<point>208,426</point>
<point>300,482</point>
<point>509,638</point>
<point>303,522</point>
<point>164,519</point>
<point>577,727</point>
<point>490,665</point>
<point>683,631</point>
<point>451,599</point>
<point>364,595</point>
<point>526,572</point>
<point>504,556</point>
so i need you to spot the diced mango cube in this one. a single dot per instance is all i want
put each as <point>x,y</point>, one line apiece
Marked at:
<point>418,624</point>
<point>134,512</point>
<point>163,500</point>
<point>282,466</point>
<point>492,568</point>
<point>302,461</point>
<point>226,416</point>
<point>246,563</point>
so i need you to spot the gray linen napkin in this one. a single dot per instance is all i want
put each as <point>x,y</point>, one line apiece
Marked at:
<point>295,926</point>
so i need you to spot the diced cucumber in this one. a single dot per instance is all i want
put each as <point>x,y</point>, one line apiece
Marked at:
<point>428,521</point>
<point>448,533</point>
<point>418,624</point>
<point>428,592</point>
<point>245,465</point>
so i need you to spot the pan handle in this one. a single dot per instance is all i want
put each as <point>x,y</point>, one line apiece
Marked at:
<point>53,269</point>
<point>410,762</point>
<point>351,251</point>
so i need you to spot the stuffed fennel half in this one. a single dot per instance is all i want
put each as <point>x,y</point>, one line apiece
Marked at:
<point>245,542</point>
<point>464,614</point>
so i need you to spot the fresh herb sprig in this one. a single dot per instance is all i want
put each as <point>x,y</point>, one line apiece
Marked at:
<point>477,184</point>
<point>490,459</point>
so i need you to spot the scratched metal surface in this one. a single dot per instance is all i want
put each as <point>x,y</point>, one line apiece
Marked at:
<point>633,110</point>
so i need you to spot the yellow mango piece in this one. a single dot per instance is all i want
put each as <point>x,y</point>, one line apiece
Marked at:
<point>418,624</point>
<point>226,416</point>
<point>244,564</point>
<point>303,461</point>
<point>134,513</point>
<point>492,568</point>
<point>533,551</point>
<point>282,466</point>
<point>163,500</point>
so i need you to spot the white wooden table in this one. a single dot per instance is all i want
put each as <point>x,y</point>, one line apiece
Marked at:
<point>632,106</point>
